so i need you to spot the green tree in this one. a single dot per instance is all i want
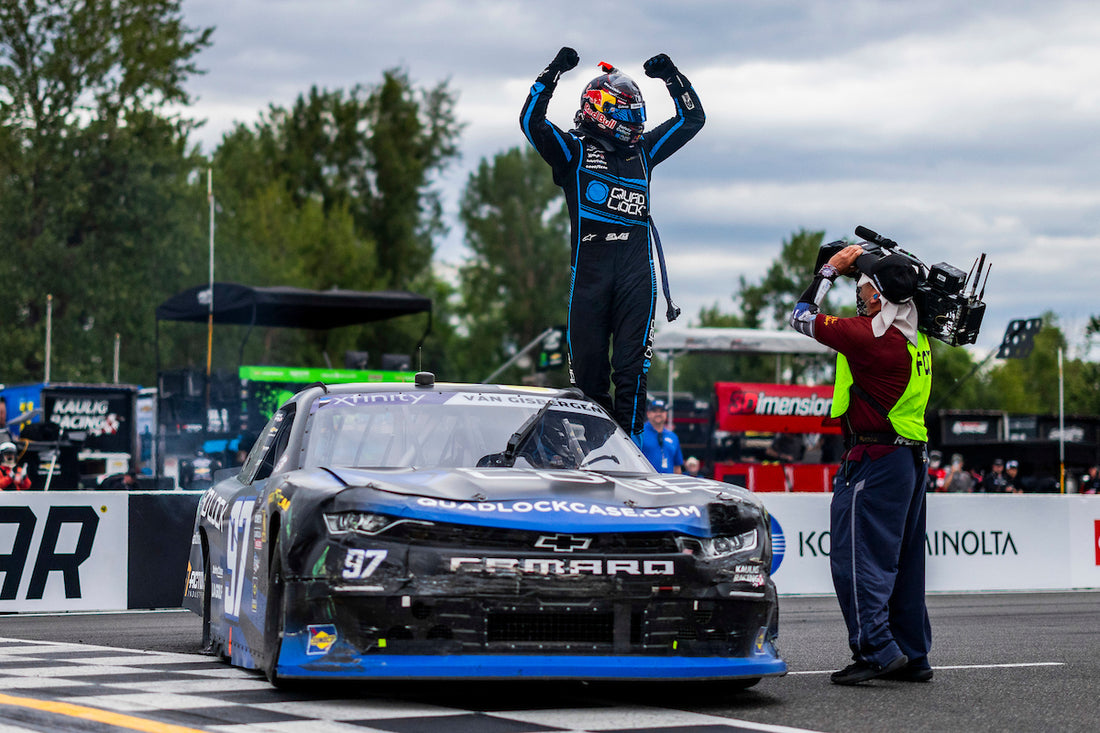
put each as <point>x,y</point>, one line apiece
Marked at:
<point>1031,385</point>
<point>93,177</point>
<point>516,281</point>
<point>335,192</point>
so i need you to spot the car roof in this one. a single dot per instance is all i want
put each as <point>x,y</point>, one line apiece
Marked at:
<point>311,392</point>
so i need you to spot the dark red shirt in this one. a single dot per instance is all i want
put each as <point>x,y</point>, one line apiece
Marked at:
<point>881,366</point>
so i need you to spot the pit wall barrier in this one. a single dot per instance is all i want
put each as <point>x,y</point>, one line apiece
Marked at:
<point>111,551</point>
<point>974,542</point>
<point>94,550</point>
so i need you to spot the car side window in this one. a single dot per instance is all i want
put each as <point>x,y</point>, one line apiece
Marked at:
<point>272,443</point>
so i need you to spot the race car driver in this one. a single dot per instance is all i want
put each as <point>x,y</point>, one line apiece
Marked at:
<point>604,166</point>
<point>877,515</point>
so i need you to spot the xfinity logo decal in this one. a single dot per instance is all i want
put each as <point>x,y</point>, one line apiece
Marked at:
<point>563,542</point>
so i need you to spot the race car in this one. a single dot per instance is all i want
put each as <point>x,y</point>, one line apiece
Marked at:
<point>424,530</point>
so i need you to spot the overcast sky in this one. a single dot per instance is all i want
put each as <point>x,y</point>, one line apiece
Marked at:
<point>954,128</point>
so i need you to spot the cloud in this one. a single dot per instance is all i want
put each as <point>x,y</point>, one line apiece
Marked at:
<point>954,128</point>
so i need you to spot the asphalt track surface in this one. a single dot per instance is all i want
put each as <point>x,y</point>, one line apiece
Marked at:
<point>1003,662</point>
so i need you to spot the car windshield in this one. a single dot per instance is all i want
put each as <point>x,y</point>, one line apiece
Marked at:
<point>465,430</point>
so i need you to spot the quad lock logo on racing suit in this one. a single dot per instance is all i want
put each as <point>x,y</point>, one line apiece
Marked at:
<point>612,200</point>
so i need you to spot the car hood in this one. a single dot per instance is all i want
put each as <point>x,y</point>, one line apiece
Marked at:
<point>542,499</point>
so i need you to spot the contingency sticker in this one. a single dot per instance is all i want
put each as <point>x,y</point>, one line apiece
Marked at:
<point>321,638</point>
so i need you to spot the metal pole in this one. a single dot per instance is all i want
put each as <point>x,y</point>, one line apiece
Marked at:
<point>210,316</point>
<point>118,341</point>
<point>520,353</point>
<point>671,367</point>
<point>49,335</point>
<point>1061,426</point>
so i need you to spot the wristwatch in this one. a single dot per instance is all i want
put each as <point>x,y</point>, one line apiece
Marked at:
<point>828,272</point>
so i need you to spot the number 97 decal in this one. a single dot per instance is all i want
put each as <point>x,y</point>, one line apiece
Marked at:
<point>362,563</point>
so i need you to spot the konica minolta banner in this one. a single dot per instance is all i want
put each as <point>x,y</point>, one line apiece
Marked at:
<point>973,542</point>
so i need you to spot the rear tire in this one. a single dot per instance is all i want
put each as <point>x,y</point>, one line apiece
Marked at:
<point>207,637</point>
<point>274,617</point>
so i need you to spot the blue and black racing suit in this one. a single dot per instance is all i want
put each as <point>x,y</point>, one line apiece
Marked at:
<point>614,288</point>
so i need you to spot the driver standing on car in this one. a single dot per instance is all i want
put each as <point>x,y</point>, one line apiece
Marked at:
<point>877,515</point>
<point>604,165</point>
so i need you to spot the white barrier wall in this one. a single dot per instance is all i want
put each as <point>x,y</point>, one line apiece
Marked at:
<point>974,542</point>
<point>63,551</point>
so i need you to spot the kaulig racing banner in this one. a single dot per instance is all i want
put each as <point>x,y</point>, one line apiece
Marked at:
<point>104,416</point>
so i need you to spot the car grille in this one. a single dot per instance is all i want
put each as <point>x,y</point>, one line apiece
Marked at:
<point>492,538</point>
<point>474,626</point>
<point>543,627</point>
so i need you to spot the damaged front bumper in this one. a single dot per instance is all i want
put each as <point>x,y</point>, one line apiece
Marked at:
<point>420,619</point>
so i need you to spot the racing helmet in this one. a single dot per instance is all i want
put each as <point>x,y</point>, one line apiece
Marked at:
<point>612,107</point>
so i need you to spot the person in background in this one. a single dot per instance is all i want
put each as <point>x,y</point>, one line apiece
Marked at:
<point>692,466</point>
<point>1090,482</point>
<point>785,448</point>
<point>994,482</point>
<point>659,444</point>
<point>958,480</point>
<point>12,477</point>
<point>936,471</point>
<point>1012,481</point>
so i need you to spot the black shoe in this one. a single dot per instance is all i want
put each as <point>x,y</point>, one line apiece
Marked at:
<point>862,671</point>
<point>909,673</point>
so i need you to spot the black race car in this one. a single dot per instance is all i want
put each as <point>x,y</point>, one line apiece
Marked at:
<point>474,531</point>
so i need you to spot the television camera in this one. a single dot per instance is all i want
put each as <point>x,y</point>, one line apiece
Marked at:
<point>949,304</point>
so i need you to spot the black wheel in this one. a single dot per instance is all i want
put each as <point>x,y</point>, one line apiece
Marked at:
<point>274,616</point>
<point>207,638</point>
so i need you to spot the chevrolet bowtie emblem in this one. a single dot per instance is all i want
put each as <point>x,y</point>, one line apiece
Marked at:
<point>563,542</point>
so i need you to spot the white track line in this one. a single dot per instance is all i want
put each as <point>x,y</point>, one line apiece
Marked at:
<point>963,666</point>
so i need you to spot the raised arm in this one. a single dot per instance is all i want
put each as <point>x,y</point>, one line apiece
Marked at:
<point>668,137</point>
<point>556,147</point>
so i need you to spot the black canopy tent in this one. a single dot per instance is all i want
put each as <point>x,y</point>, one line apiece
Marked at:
<point>287,307</point>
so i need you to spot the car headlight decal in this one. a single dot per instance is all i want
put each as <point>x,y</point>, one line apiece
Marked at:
<point>364,522</point>
<point>714,548</point>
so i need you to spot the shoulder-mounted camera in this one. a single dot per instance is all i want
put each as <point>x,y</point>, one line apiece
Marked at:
<point>949,304</point>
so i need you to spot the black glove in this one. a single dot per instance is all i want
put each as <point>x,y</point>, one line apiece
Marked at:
<point>660,67</point>
<point>566,59</point>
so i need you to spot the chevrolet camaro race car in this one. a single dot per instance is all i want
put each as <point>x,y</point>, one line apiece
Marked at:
<point>473,531</point>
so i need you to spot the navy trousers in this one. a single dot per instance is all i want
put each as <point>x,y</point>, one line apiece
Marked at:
<point>877,521</point>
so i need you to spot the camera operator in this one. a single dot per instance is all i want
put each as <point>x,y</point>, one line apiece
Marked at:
<point>877,515</point>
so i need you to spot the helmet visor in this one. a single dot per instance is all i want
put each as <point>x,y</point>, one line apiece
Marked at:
<point>615,107</point>
<point>633,114</point>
